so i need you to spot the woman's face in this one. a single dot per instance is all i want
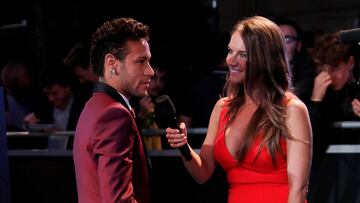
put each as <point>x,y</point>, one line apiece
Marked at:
<point>236,58</point>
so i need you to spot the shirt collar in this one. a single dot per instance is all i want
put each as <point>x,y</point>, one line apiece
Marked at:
<point>126,100</point>
<point>101,79</point>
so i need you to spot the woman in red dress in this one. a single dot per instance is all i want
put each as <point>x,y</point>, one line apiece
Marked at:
<point>260,134</point>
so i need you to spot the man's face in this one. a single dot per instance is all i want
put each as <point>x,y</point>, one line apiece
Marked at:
<point>340,75</point>
<point>58,95</point>
<point>292,42</point>
<point>135,70</point>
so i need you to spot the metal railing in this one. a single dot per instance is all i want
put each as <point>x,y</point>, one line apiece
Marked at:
<point>347,124</point>
<point>57,143</point>
<point>345,148</point>
<point>144,132</point>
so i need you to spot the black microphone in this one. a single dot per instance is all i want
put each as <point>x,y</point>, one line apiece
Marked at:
<point>165,115</point>
<point>350,36</point>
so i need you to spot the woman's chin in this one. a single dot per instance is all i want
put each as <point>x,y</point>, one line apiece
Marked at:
<point>235,79</point>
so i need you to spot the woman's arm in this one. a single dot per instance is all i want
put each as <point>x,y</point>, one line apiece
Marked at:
<point>299,150</point>
<point>201,166</point>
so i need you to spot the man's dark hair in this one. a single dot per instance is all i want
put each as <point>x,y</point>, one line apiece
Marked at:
<point>281,20</point>
<point>111,37</point>
<point>329,50</point>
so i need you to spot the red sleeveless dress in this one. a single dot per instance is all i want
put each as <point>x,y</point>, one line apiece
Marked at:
<point>249,181</point>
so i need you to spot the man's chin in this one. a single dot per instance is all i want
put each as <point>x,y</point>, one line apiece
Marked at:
<point>336,88</point>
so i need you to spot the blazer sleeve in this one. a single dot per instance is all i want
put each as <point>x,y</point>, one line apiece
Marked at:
<point>113,146</point>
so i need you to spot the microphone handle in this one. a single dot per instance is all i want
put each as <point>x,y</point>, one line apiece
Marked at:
<point>185,149</point>
<point>185,152</point>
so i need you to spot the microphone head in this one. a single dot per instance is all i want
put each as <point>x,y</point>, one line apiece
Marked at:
<point>350,36</point>
<point>165,101</point>
<point>165,112</point>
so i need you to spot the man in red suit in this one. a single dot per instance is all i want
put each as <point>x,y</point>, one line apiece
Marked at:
<point>110,160</point>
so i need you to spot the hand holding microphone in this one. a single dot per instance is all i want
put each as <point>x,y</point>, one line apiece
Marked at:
<point>177,137</point>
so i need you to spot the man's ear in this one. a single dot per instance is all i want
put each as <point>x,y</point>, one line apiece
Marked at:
<point>110,60</point>
<point>111,65</point>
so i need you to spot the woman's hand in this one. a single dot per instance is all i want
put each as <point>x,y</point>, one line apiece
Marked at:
<point>175,137</point>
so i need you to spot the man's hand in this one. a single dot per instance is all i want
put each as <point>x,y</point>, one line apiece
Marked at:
<point>321,83</point>
<point>356,107</point>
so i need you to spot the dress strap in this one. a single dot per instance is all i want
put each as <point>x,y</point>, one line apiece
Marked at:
<point>223,120</point>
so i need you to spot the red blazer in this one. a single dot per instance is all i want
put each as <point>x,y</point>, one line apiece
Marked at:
<point>110,162</point>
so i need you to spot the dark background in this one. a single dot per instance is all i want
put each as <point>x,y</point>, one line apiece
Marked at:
<point>52,27</point>
<point>184,33</point>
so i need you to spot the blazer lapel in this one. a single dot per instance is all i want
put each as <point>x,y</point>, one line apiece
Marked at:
<point>107,89</point>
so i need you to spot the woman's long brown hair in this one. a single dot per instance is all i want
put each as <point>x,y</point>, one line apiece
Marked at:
<point>267,74</point>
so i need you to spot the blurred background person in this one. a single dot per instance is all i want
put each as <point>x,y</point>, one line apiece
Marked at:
<point>78,60</point>
<point>21,93</point>
<point>301,64</point>
<point>335,97</point>
<point>66,102</point>
<point>204,90</point>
